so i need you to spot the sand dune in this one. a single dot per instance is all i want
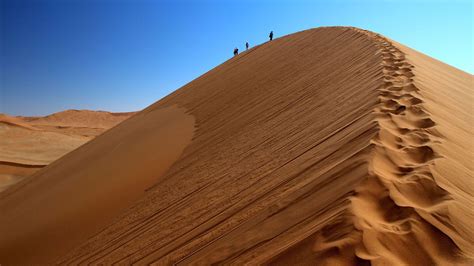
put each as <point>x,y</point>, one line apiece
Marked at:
<point>328,146</point>
<point>30,143</point>
<point>11,173</point>
<point>14,121</point>
<point>80,118</point>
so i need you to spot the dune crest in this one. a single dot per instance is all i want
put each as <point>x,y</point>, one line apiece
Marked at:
<point>328,146</point>
<point>407,194</point>
<point>398,209</point>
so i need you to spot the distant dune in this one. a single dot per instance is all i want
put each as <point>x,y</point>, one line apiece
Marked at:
<point>79,119</point>
<point>331,146</point>
<point>30,143</point>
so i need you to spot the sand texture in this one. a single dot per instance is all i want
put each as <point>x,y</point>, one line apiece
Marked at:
<point>331,146</point>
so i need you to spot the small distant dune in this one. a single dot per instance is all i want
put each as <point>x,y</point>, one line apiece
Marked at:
<point>11,173</point>
<point>80,118</point>
<point>15,121</point>
<point>30,143</point>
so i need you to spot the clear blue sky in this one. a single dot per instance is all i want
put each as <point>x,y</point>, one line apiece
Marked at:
<point>124,55</point>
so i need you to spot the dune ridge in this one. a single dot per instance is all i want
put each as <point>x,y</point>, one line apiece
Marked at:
<point>331,146</point>
<point>400,211</point>
<point>409,208</point>
<point>401,214</point>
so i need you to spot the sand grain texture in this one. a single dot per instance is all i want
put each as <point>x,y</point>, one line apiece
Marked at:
<point>328,146</point>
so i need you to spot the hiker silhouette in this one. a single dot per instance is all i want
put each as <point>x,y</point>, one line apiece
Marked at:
<point>236,51</point>
<point>246,45</point>
<point>271,35</point>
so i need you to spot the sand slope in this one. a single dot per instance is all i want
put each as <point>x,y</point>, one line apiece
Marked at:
<point>331,145</point>
<point>27,144</point>
<point>110,172</point>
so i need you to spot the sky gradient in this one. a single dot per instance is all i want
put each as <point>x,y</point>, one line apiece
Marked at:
<point>124,55</point>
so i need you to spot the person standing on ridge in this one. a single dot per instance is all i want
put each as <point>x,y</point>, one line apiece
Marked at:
<point>271,35</point>
<point>236,51</point>
<point>246,45</point>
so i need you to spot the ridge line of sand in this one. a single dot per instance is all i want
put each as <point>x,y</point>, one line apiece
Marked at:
<point>399,214</point>
<point>389,205</point>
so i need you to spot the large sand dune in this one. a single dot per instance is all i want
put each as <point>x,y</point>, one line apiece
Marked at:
<point>332,145</point>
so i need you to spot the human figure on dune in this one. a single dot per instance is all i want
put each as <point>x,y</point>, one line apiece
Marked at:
<point>236,51</point>
<point>246,45</point>
<point>271,35</point>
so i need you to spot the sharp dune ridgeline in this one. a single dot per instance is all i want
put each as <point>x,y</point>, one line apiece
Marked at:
<point>331,146</point>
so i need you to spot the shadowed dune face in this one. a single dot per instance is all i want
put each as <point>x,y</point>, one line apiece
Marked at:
<point>328,146</point>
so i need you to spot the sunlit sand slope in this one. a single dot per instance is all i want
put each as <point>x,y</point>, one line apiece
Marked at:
<point>333,145</point>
